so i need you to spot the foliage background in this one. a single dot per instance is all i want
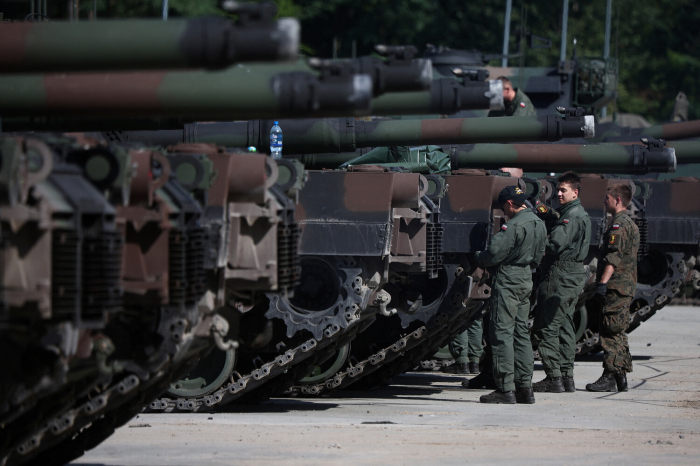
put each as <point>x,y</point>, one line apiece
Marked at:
<point>657,41</point>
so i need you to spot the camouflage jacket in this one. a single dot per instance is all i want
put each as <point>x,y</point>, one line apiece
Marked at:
<point>620,245</point>
<point>570,236</point>
<point>520,241</point>
<point>519,106</point>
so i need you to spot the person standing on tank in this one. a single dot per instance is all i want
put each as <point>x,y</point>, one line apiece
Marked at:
<point>564,276</point>
<point>517,248</point>
<point>615,289</point>
<point>515,101</point>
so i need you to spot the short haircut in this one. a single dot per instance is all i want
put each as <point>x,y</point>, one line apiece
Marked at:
<point>572,179</point>
<point>504,80</point>
<point>623,191</point>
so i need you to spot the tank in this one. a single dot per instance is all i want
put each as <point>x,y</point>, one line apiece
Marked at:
<point>130,291</point>
<point>465,217</point>
<point>210,42</point>
<point>309,136</point>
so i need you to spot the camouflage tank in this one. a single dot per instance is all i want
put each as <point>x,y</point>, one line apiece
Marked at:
<point>210,42</point>
<point>130,293</point>
<point>464,218</point>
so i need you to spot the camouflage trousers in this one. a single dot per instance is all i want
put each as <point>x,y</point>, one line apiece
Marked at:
<point>468,345</point>
<point>614,320</point>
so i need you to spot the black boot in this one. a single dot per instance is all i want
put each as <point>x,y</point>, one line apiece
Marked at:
<point>457,368</point>
<point>621,380</point>
<point>507,398</point>
<point>569,386</point>
<point>606,383</point>
<point>474,367</point>
<point>479,382</point>
<point>553,385</point>
<point>525,395</point>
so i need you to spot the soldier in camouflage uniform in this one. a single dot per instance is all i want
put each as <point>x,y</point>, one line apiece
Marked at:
<point>564,277</point>
<point>514,251</point>
<point>516,102</point>
<point>616,283</point>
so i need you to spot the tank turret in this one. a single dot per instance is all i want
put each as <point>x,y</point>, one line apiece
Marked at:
<point>209,42</point>
<point>308,136</point>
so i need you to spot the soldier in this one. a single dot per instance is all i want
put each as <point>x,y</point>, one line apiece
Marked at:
<point>564,277</point>
<point>514,251</point>
<point>516,102</point>
<point>616,284</point>
<point>466,349</point>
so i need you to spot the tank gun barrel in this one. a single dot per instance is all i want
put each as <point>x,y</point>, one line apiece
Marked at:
<point>673,131</point>
<point>237,93</point>
<point>686,151</point>
<point>596,158</point>
<point>399,72</point>
<point>208,42</point>
<point>446,96</point>
<point>337,135</point>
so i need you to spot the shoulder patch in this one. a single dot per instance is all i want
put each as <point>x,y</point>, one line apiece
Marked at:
<point>522,104</point>
<point>616,226</point>
<point>612,239</point>
<point>542,209</point>
<point>504,227</point>
<point>565,221</point>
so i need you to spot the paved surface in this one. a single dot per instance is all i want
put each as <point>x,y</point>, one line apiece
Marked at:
<point>426,418</point>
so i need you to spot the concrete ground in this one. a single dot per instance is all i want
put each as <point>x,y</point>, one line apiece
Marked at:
<point>427,418</point>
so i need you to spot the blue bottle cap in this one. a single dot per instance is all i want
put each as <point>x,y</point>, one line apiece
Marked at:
<point>277,122</point>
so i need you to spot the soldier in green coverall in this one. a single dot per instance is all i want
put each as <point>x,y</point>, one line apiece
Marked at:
<point>466,349</point>
<point>564,277</point>
<point>517,248</point>
<point>516,102</point>
<point>616,286</point>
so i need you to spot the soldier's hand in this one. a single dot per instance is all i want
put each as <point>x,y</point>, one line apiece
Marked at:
<point>601,289</point>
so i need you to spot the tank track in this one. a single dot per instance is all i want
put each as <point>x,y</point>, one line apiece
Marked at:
<point>64,433</point>
<point>337,324</point>
<point>402,354</point>
<point>307,352</point>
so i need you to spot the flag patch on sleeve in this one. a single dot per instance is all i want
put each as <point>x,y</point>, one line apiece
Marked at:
<point>616,226</point>
<point>504,227</point>
<point>565,221</point>
<point>522,104</point>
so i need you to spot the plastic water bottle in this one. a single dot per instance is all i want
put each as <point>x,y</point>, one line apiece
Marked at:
<point>276,141</point>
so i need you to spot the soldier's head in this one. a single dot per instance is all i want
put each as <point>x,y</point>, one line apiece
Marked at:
<point>568,188</point>
<point>508,91</point>
<point>618,198</point>
<point>512,200</point>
